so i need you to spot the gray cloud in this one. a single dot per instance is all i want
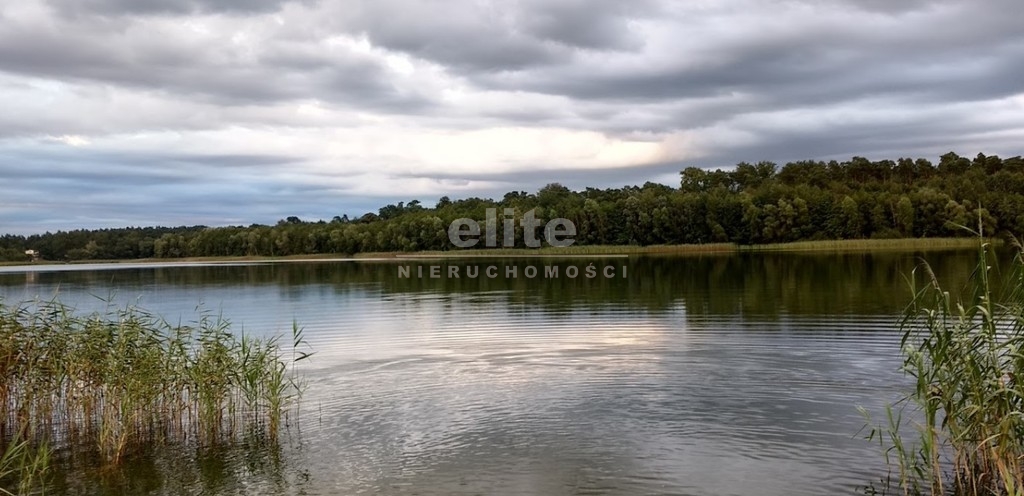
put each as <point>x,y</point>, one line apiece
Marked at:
<point>49,190</point>
<point>176,7</point>
<point>497,36</point>
<point>126,53</point>
<point>888,7</point>
<point>959,52</point>
<point>588,24</point>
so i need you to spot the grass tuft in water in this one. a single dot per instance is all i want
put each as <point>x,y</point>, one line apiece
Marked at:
<point>126,379</point>
<point>24,465</point>
<point>966,356</point>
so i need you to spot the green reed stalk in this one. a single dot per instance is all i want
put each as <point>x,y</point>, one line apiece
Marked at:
<point>124,379</point>
<point>25,466</point>
<point>967,358</point>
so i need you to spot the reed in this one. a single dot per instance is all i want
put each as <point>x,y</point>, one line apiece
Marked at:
<point>966,357</point>
<point>23,467</point>
<point>914,244</point>
<point>121,380</point>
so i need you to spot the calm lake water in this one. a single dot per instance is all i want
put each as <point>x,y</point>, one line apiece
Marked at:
<point>711,375</point>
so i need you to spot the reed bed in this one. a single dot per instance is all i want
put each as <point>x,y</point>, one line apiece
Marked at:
<point>125,379</point>
<point>915,244</point>
<point>25,465</point>
<point>966,356</point>
<point>589,250</point>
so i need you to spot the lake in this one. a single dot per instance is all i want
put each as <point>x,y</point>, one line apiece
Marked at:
<point>698,375</point>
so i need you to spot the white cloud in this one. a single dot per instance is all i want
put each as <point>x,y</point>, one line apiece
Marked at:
<point>72,140</point>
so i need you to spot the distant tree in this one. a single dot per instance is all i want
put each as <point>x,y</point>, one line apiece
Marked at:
<point>751,203</point>
<point>368,218</point>
<point>904,216</point>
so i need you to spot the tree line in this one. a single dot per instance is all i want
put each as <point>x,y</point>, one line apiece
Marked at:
<point>749,204</point>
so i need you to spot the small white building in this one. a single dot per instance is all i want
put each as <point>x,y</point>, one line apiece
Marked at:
<point>33,254</point>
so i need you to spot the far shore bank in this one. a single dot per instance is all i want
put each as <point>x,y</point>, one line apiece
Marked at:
<point>847,245</point>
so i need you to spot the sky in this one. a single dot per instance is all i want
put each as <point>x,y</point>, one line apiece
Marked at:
<point>230,112</point>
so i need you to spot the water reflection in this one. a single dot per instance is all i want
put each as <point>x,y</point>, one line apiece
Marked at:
<point>707,375</point>
<point>253,466</point>
<point>764,284</point>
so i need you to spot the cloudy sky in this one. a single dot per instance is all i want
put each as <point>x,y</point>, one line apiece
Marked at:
<point>170,112</point>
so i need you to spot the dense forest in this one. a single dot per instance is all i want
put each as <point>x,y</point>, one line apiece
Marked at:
<point>750,204</point>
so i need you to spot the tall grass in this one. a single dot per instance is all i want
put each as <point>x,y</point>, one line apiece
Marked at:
<point>23,464</point>
<point>126,378</point>
<point>588,250</point>
<point>966,356</point>
<point>914,244</point>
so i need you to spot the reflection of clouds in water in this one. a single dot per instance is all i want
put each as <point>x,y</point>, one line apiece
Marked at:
<point>703,378</point>
<point>489,325</point>
<point>722,406</point>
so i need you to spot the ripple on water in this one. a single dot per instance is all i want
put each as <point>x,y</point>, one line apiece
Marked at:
<point>488,392</point>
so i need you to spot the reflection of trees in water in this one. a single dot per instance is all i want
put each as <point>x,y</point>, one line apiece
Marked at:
<point>747,283</point>
<point>253,466</point>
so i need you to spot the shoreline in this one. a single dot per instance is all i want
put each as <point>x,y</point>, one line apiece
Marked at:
<point>847,245</point>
